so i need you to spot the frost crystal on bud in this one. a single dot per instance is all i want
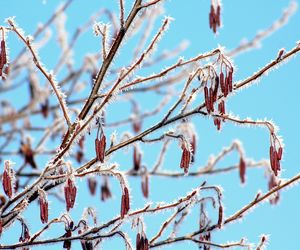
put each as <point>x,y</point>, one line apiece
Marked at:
<point>70,193</point>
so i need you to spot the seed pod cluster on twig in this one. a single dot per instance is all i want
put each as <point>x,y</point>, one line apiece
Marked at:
<point>215,16</point>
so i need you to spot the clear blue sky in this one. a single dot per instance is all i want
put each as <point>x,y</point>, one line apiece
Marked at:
<point>274,97</point>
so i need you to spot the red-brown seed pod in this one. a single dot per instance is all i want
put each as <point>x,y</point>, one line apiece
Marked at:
<point>28,154</point>
<point>242,170</point>
<point>70,191</point>
<point>45,108</point>
<point>79,156</point>
<point>125,203</point>
<point>145,185</point>
<point>105,191</point>
<point>211,16</point>
<point>138,241</point>
<point>230,81</point>
<point>3,52</point>
<point>222,82</point>
<point>279,153</point>
<point>185,159</point>
<point>272,157</point>
<point>7,179</point>
<point>220,217</point>
<point>218,19</point>
<point>44,207</point>
<point>137,125</point>
<point>81,142</point>
<point>211,99</point>
<point>100,145</point>
<point>206,98</point>
<point>137,157</point>
<point>92,184</point>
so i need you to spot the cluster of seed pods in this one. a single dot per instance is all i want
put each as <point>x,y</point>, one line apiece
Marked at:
<point>215,16</point>
<point>218,89</point>
<point>70,193</point>
<point>142,242</point>
<point>7,179</point>
<point>125,203</point>
<point>185,158</point>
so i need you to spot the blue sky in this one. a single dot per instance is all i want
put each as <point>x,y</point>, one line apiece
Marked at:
<point>274,97</point>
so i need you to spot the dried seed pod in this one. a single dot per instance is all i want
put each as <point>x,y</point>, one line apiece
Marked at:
<point>28,154</point>
<point>92,184</point>
<point>137,157</point>
<point>125,203</point>
<point>7,179</point>
<point>145,185</point>
<point>44,208</point>
<point>79,156</point>
<point>242,170</point>
<point>206,98</point>
<point>211,99</point>
<point>100,145</point>
<point>70,191</point>
<point>105,191</point>
<point>222,82</point>
<point>45,108</point>
<point>220,217</point>
<point>185,159</point>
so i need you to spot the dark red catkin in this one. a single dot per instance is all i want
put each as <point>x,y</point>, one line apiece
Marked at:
<point>218,19</point>
<point>70,193</point>
<point>145,185</point>
<point>138,241</point>
<point>7,179</point>
<point>275,157</point>
<point>137,157</point>
<point>230,80</point>
<point>142,242</point>
<point>44,207</point>
<point>211,99</point>
<point>206,98</point>
<point>242,170</point>
<point>185,159</point>
<point>220,216</point>
<point>125,203</point>
<point>222,82</point>
<point>100,145</point>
